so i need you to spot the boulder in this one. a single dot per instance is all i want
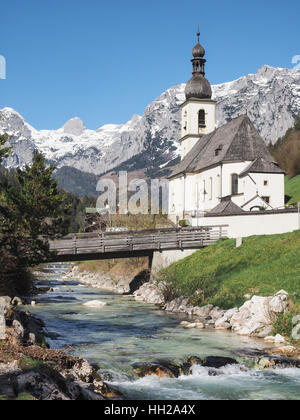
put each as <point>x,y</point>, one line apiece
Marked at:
<point>257,315</point>
<point>218,362</point>
<point>296,320</point>
<point>279,304</point>
<point>16,301</point>
<point>95,304</point>
<point>279,339</point>
<point>203,311</point>
<point>18,330</point>
<point>222,325</point>
<point>5,301</point>
<point>162,371</point>
<point>216,313</point>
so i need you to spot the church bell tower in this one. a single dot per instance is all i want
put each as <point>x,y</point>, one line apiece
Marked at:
<point>198,111</point>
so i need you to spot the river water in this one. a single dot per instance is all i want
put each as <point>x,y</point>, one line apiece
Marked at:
<point>124,332</point>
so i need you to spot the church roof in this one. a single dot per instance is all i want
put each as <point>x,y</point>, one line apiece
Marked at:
<point>237,140</point>
<point>260,165</point>
<point>226,207</point>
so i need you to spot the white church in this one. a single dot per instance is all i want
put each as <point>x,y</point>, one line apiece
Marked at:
<point>223,171</point>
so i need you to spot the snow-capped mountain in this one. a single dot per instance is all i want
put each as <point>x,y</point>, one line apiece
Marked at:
<point>271,97</point>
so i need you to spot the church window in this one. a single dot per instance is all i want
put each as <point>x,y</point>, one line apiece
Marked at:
<point>266,183</point>
<point>204,190</point>
<point>201,119</point>
<point>210,188</point>
<point>234,184</point>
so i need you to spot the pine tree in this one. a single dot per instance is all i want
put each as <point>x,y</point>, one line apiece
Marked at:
<point>29,216</point>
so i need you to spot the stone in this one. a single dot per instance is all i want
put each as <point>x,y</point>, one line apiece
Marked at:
<point>202,311</point>
<point>265,363</point>
<point>222,325</point>
<point>18,330</point>
<point>282,292</point>
<point>31,339</point>
<point>255,317</point>
<point>2,322</point>
<point>296,332</point>
<point>279,303</point>
<point>218,362</point>
<point>296,320</point>
<point>288,351</point>
<point>191,325</point>
<point>157,369</point>
<point>216,313</point>
<point>16,301</point>
<point>5,301</point>
<point>270,339</point>
<point>279,339</point>
<point>95,304</point>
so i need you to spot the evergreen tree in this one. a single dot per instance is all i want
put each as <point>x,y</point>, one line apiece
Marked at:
<point>29,216</point>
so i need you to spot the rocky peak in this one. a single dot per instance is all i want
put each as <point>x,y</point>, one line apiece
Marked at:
<point>74,126</point>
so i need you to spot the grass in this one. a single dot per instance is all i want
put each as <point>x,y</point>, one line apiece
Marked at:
<point>292,189</point>
<point>222,274</point>
<point>28,364</point>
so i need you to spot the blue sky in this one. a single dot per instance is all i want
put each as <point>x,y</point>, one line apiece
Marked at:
<point>104,61</point>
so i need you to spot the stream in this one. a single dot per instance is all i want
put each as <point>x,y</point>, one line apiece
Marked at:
<point>125,332</point>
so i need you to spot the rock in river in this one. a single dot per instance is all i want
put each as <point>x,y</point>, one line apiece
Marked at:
<point>95,304</point>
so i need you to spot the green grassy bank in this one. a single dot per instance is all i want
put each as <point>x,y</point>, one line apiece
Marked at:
<point>292,189</point>
<point>222,274</point>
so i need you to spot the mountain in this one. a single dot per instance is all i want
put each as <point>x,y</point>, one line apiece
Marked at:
<point>271,97</point>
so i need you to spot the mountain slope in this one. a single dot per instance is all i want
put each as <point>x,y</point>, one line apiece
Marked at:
<point>271,97</point>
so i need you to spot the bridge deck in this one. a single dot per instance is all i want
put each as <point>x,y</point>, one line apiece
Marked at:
<point>132,244</point>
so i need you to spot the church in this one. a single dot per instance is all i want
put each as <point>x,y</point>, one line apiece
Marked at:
<point>222,170</point>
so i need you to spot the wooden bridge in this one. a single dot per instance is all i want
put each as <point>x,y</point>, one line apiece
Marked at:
<point>100,246</point>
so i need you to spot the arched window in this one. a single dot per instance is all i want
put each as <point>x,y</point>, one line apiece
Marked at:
<point>201,118</point>
<point>234,184</point>
<point>210,188</point>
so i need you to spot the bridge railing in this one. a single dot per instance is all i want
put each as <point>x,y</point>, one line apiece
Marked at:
<point>146,240</point>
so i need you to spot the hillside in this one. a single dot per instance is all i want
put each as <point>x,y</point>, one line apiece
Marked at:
<point>292,189</point>
<point>223,274</point>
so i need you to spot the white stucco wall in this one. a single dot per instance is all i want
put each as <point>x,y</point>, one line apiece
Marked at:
<point>165,258</point>
<point>249,225</point>
<point>189,125</point>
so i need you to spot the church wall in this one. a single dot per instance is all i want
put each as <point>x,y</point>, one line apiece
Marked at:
<point>274,189</point>
<point>256,224</point>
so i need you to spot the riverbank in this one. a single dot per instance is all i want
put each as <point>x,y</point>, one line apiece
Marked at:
<point>120,276</point>
<point>256,318</point>
<point>29,370</point>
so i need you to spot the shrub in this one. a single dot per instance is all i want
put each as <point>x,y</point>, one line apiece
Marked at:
<point>284,324</point>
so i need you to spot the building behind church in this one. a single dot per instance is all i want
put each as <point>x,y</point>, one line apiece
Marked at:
<point>227,170</point>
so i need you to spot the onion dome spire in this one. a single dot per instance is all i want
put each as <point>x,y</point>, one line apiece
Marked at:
<point>198,87</point>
